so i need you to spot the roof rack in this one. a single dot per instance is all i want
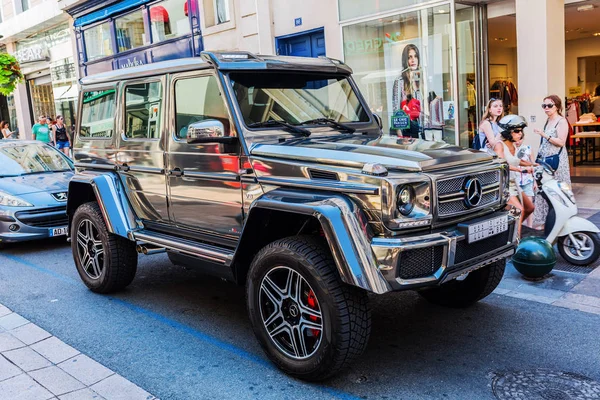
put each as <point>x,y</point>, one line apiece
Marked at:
<point>220,59</point>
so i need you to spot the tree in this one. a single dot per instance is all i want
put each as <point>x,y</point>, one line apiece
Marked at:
<point>10,74</point>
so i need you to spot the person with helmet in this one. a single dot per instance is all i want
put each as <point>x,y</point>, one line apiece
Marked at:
<point>512,131</point>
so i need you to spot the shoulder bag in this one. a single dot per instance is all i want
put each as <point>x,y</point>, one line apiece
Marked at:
<point>554,160</point>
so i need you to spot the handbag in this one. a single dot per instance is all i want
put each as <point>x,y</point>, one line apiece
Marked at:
<point>552,161</point>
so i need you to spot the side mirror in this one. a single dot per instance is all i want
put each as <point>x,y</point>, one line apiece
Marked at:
<point>208,131</point>
<point>378,120</point>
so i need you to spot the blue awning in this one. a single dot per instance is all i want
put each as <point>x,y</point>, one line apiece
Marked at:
<point>108,11</point>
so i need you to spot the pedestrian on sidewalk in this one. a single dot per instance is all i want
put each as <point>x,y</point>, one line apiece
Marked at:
<point>552,144</point>
<point>41,131</point>
<point>63,140</point>
<point>5,128</point>
<point>489,131</point>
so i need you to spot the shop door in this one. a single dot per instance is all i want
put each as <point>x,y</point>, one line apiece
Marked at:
<point>310,44</point>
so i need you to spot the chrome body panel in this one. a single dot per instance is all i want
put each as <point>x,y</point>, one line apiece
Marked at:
<point>339,218</point>
<point>114,204</point>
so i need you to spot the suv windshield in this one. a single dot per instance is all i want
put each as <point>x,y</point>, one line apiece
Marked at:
<point>31,158</point>
<point>296,97</point>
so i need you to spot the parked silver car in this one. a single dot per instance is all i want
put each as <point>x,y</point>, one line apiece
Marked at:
<point>34,178</point>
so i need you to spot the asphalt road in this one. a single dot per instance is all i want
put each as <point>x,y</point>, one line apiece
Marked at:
<point>181,335</point>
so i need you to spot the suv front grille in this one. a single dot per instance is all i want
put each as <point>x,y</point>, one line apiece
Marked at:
<point>420,263</point>
<point>466,252</point>
<point>451,193</point>
<point>44,217</point>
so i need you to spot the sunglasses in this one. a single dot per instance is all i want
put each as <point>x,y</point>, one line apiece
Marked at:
<point>518,130</point>
<point>544,105</point>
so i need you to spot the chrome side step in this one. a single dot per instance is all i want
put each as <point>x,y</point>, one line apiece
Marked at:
<point>168,242</point>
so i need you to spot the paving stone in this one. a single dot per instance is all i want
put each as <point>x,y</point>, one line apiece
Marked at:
<point>56,380</point>
<point>9,342</point>
<point>116,387</point>
<point>12,321</point>
<point>576,306</point>
<point>582,299</point>
<point>8,369</point>
<point>83,394</point>
<point>54,349</point>
<point>27,359</point>
<point>589,287</point>
<point>85,370</point>
<point>30,333</point>
<point>22,387</point>
<point>540,291</point>
<point>501,291</point>
<point>4,311</point>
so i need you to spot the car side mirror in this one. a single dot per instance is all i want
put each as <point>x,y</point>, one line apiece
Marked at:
<point>208,131</point>
<point>378,120</point>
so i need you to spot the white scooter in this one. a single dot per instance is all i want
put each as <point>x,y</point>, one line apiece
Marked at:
<point>578,239</point>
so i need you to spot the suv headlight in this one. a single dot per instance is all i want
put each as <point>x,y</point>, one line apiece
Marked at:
<point>405,201</point>
<point>566,189</point>
<point>12,201</point>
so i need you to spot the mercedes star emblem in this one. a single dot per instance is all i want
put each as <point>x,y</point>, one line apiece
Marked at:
<point>473,192</point>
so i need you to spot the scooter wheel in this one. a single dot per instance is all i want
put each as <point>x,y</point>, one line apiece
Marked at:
<point>588,252</point>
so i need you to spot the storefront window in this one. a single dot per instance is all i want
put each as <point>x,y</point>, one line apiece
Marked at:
<point>169,19</point>
<point>130,31</point>
<point>97,42</point>
<point>467,91</point>
<point>403,65</point>
<point>352,9</point>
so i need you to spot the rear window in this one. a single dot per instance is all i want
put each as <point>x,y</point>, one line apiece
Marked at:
<point>98,114</point>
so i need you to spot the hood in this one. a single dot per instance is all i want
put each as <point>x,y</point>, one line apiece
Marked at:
<point>355,151</point>
<point>35,183</point>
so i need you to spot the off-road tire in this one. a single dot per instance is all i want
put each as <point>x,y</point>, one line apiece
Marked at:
<point>346,317</point>
<point>120,257</point>
<point>462,293</point>
<point>591,259</point>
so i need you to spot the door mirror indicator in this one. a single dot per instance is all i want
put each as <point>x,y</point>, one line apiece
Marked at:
<point>208,131</point>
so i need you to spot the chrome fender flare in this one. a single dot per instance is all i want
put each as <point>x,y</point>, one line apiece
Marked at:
<point>110,194</point>
<point>339,219</point>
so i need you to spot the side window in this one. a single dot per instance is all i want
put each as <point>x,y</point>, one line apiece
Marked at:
<point>98,114</point>
<point>198,99</point>
<point>143,103</point>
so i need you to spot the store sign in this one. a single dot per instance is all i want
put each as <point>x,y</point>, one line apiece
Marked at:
<point>130,62</point>
<point>32,53</point>
<point>400,120</point>
<point>372,45</point>
<point>575,91</point>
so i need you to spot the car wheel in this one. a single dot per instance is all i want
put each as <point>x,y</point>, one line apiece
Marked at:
<point>105,262</point>
<point>309,323</point>
<point>462,293</point>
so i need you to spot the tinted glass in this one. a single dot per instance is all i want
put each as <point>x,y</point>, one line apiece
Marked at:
<point>197,99</point>
<point>169,19</point>
<point>31,158</point>
<point>130,31</point>
<point>98,114</point>
<point>97,42</point>
<point>295,98</point>
<point>142,110</point>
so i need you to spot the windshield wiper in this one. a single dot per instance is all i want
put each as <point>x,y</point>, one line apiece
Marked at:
<point>330,121</point>
<point>274,122</point>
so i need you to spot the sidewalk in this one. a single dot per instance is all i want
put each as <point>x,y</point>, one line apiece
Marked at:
<point>34,365</point>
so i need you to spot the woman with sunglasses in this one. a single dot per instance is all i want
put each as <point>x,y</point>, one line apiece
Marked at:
<point>553,140</point>
<point>489,131</point>
<point>512,132</point>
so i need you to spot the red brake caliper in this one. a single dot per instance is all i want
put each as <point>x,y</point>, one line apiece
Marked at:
<point>312,303</point>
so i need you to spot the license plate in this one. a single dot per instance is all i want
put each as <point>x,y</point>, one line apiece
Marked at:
<point>487,228</point>
<point>58,231</point>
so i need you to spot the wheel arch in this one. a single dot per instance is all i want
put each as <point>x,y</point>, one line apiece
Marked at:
<point>107,190</point>
<point>282,213</point>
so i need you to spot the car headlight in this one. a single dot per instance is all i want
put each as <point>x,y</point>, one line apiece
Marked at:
<point>405,200</point>
<point>12,201</point>
<point>566,189</point>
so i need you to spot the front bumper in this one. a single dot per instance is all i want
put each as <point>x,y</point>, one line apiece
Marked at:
<point>428,260</point>
<point>32,222</point>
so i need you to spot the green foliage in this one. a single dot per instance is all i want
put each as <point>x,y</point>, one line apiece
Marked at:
<point>10,74</point>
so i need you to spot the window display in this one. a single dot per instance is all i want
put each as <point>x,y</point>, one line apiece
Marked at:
<point>130,31</point>
<point>403,65</point>
<point>97,42</point>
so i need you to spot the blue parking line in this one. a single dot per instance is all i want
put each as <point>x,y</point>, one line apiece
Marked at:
<point>181,327</point>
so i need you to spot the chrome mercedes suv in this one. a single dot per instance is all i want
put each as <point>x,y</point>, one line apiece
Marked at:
<point>272,172</point>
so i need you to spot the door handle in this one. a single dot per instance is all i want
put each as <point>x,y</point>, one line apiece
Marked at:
<point>176,172</point>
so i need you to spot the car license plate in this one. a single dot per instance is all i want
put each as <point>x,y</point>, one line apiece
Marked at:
<point>487,228</point>
<point>58,231</point>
